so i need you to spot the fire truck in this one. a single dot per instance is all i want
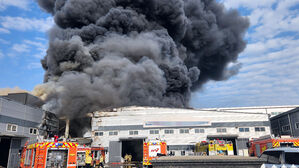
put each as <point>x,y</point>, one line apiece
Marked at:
<point>152,150</point>
<point>214,147</point>
<point>58,155</point>
<point>49,154</point>
<point>259,145</point>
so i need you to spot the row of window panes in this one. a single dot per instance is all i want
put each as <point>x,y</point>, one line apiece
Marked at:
<point>259,129</point>
<point>168,131</point>
<point>33,131</point>
<point>113,133</point>
<point>154,131</point>
<point>256,129</point>
<point>221,129</point>
<point>182,131</point>
<point>11,127</point>
<point>243,129</point>
<point>286,128</point>
<point>199,131</point>
<point>133,132</point>
<point>99,133</point>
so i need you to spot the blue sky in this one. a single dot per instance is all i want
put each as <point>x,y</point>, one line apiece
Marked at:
<point>269,76</point>
<point>23,42</point>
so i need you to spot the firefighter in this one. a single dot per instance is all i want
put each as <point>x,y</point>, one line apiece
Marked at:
<point>88,161</point>
<point>128,160</point>
<point>102,161</point>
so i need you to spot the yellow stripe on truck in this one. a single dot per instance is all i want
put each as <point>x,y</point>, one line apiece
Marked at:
<point>275,144</point>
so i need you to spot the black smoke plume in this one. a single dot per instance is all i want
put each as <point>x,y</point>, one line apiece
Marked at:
<point>112,53</point>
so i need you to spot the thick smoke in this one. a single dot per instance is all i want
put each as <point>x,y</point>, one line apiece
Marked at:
<point>111,53</point>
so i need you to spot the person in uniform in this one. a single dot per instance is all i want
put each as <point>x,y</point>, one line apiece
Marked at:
<point>102,161</point>
<point>88,161</point>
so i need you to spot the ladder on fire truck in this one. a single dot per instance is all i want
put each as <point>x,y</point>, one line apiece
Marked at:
<point>41,154</point>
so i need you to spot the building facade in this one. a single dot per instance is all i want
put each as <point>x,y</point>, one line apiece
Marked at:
<point>180,128</point>
<point>286,123</point>
<point>21,119</point>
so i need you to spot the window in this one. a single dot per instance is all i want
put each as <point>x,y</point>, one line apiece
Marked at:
<point>272,157</point>
<point>259,129</point>
<point>33,157</point>
<point>221,129</point>
<point>27,157</point>
<point>33,131</point>
<point>112,133</point>
<point>11,127</point>
<point>292,158</point>
<point>169,131</point>
<point>243,129</point>
<point>183,153</point>
<point>199,131</point>
<point>184,131</point>
<point>297,125</point>
<point>99,133</point>
<point>286,128</point>
<point>133,132</point>
<point>171,153</point>
<point>154,131</point>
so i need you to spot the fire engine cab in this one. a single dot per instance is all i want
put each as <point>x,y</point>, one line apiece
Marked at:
<point>58,155</point>
<point>49,154</point>
<point>259,145</point>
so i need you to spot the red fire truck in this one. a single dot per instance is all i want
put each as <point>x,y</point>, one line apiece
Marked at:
<point>49,154</point>
<point>152,149</point>
<point>259,145</point>
<point>58,155</point>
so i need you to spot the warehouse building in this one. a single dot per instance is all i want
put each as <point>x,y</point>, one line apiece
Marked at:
<point>123,130</point>
<point>286,123</point>
<point>21,119</point>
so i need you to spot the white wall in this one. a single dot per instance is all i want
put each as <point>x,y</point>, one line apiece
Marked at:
<point>132,116</point>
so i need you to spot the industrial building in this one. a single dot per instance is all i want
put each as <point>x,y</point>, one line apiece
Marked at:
<point>123,130</point>
<point>286,123</point>
<point>21,119</point>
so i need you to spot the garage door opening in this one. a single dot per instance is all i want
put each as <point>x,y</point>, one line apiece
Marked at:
<point>4,146</point>
<point>133,147</point>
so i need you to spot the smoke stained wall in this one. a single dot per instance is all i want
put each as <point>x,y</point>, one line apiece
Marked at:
<point>112,53</point>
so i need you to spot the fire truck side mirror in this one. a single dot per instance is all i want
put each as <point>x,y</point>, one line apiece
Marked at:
<point>247,144</point>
